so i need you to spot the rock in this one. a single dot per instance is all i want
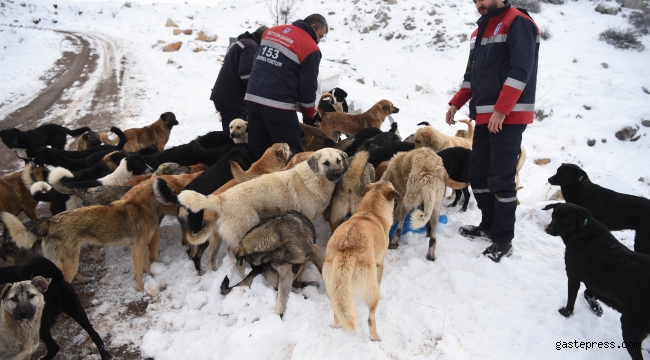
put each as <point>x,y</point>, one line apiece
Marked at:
<point>177,31</point>
<point>645,90</point>
<point>554,2</point>
<point>591,142</point>
<point>418,88</point>
<point>331,13</point>
<point>187,32</point>
<point>605,65</point>
<point>575,61</point>
<point>360,81</point>
<point>645,123</point>
<point>641,179</point>
<point>557,196</point>
<point>587,107</point>
<point>635,4</point>
<point>626,133</point>
<point>391,2</point>
<point>604,141</point>
<point>601,8</point>
<point>157,43</point>
<point>36,21</point>
<point>170,23</point>
<point>543,161</point>
<point>198,49</point>
<point>172,47</point>
<point>578,116</point>
<point>202,36</point>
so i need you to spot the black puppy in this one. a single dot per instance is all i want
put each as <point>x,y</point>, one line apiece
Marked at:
<point>381,139</point>
<point>208,182</point>
<point>45,156</point>
<point>360,138</point>
<point>340,95</point>
<point>611,272</point>
<point>59,297</point>
<point>617,211</point>
<point>185,155</point>
<point>386,152</point>
<point>85,153</point>
<point>26,143</point>
<point>456,161</point>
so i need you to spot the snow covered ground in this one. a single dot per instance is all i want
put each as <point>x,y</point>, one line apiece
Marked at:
<point>461,306</point>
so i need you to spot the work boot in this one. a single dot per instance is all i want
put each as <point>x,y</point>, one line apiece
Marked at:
<point>498,250</point>
<point>472,231</point>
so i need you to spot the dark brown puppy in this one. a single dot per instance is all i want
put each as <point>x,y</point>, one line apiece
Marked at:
<point>155,134</point>
<point>351,124</point>
<point>314,138</point>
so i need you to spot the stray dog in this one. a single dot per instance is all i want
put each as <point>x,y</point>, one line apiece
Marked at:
<point>359,139</point>
<point>350,125</point>
<point>71,154</point>
<point>354,260</point>
<point>47,157</point>
<point>282,246</point>
<point>430,137</point>
<point>26,143</point>
<point>185,155</point>
<point>611,272</point>
<point>11,254</point>
<point>386,152</point>
<point>335,102</point>
<point>130,166</point>
<point>22,308</point>
<point>14,194</point>
<point>168,168</point>
<point>456,161</point>
<point>106,166</point>
<point>467,134</point>
<point>155,134</point>
<point>199,227</point>
<point>131,221</point>
<point>617,211</point>
<point>380,140</point>
<point>59,297</point>
<point>350,190</point>
<point>421,176</point>
<point>307,188</point>
<point>88,140</point>
<point>314,138</point>
<point>238,131</point>
<point>381,169</point>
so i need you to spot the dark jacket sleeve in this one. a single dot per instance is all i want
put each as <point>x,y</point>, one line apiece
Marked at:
<point>246,59</point>
<point>308,84</point>
<point>522,42</point>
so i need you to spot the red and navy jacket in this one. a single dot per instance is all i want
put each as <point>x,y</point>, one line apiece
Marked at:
<point>230,87</point>
<point>501,72</point>
<point>285,72</point>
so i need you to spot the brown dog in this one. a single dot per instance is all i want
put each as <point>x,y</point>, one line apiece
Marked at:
<point>169,168</point>
<point>314,138</point>
<point>87,140</point>
<point>354,260</point>
<point>155,134</point>
<point>350,125</point>
<point>421,176</point>
<point>14,194</point>
<point>131,221</point>
<point>381,169</point>
<point>428,136</point>
<point>350,190</point>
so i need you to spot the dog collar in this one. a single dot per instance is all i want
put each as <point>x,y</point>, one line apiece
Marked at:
<point>239,261</point>
<point>585,222</point>
<point>581,177</point>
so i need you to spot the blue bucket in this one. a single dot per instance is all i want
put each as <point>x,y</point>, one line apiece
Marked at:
<point>407,226</point>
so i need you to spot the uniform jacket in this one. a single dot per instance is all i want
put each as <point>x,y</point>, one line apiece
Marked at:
<point>285,72</point>
<point>501,72</point>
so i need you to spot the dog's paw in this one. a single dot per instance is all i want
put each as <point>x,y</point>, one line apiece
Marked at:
<point>463,209</point>
<point>431,257</point>
<point>393,245</point>
<point>336,326</point>
<point>593,304</point>
<point>565,312</point>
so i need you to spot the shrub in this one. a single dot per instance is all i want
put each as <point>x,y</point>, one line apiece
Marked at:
<point>545,32</point>
<point>622,39</point>
<point>640,21</point>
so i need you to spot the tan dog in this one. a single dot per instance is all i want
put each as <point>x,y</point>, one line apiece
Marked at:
<point>307,188</point>
<point>314,138</point>
<point>273,159</point>
<point>131,221</point>
<point>155,134</point>
<point>238,132</point>
<point>87,140</point>
<point>428,136</point>
<point>168,168</point>
<point>421,176</point>
<point>350,190</point>
<point>350,125</point>
<point>354,260</point>
<point>469,133</point>
<point>14,194</point>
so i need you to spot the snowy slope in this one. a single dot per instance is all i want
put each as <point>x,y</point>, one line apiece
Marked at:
<point>461,306</point>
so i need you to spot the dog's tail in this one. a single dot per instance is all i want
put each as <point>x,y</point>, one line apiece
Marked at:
<point>225,289</point>
<point>41,191</point>
<point>425,123</point>
<point>469,134</point>
<point>320,110</point>
<point>522,159</point>
<point>120,135</point>
<point>27,176</point>
<point>198,149</point>
<point>338,283</point>
<point>456,185</point>
<point>163,193</point>
<point>104,138</point>
<point>358,165</point>
<point>239,174</point>
<point>56,179</point>
<point>196,202</point>
<point>393,128</point>
<point>23,237</point>
<point>77,132</point>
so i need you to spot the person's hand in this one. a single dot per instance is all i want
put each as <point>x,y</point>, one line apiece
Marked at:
<point>496,122</point>
<point>449,118</point>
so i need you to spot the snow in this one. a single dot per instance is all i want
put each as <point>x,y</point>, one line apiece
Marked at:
<point>461,306</point>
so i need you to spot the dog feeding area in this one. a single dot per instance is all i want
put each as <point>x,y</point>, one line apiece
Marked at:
<point>100,64</point>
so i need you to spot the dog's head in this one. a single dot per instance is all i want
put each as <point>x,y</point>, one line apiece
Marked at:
<point>385,188</point>
<point>387,107</point>
<point>171,168</point>
<point>23,299</point>
<point>169,119</point>
<point>428,137</point>
<point>278,154</point>
<point>568,174</point>
<point>329,163</point>
<point>87,140</point>
<point>568,219</point>
<point>339,94</point>
<point>136,164</point>
<point>237,128</point>
<point>11,137</point>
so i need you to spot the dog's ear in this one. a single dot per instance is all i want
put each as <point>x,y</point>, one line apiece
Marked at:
<point>280,155</point>
<point>346,160</point>
<point>41,283</point>
<point>385,105</point>
<point>392,194</point>
<point>550,206</point>
<point>313,161</point>
<point>584,216</point>
<point>5,289</point>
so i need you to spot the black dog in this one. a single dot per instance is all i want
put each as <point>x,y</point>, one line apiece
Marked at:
<point>45,156</point>
<point>360,138</point>
<point>611,272</point>
<point>59,297</point>
<point>456,161</point>
<point>85,153</point>
<point>204,152</point>
<point>617,211</point>
<point>100,169</point>
<point>340,95</point>
<point>380,140</point>
<point>386,152</point>
<point>26,143</point>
